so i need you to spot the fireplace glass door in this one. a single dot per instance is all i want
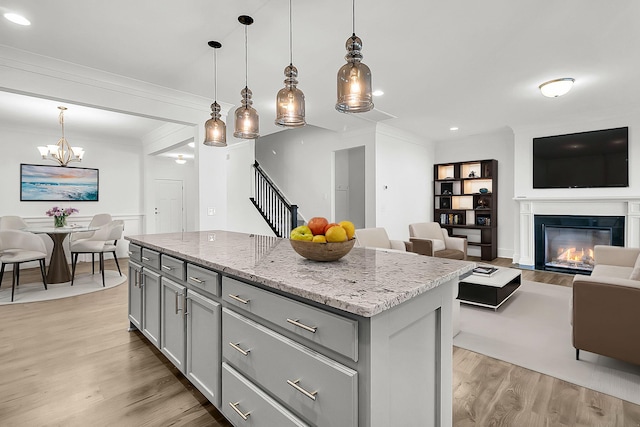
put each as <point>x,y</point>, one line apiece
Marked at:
<point>572,247</point>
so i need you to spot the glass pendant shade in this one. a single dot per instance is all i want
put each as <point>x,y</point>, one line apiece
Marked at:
<point>215,130</point>
<point>247,120</point>
<point>354,81</point>
<point>290,101</point>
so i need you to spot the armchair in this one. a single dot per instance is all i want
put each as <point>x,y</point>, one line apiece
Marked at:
<point>430,239</point>
<point>378,238</point>
<point>604,312</point>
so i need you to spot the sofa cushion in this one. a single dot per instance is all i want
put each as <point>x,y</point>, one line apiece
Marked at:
<point>635,273</point>
<point>604,271</point>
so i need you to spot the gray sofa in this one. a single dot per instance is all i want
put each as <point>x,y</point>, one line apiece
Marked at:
<point>606,305</point>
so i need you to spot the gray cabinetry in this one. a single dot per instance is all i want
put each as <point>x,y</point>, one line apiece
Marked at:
<point>203,345</point>
<point>151,306</point>
<point>135,295</point>
<point>245,404</point>
<point>173,329</point>
<point>315,387</point>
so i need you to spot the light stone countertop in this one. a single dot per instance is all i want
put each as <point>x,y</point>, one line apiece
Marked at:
<point>364,282</point>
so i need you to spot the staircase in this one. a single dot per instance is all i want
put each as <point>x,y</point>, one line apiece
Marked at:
<point>281,215</point>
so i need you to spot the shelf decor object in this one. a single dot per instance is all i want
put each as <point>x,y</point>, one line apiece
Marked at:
<point>290,100</point>
<point>247,124</point>
<point>354,78</point>
<point>215,130</point>
<point>466,201</point>
<point>62,152</point>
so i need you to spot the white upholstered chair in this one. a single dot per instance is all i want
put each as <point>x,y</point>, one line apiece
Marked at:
<point>430,239</point>
<point>103,240</point>
<point>98,220</point>
<point>11,222</point>
<point>17,247</point>
<point>378,238</point>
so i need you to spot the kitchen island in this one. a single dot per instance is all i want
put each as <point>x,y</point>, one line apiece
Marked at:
<point>274,339</point>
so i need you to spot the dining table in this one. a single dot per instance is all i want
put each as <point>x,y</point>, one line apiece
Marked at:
<point>59,271</point>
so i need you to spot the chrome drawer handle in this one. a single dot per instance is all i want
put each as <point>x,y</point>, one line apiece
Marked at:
<point>237,298</point>
<point>130,253</point>
<point>237,347</point>
<point>238,411</point>
<point>144,258</point>
<point>165,267</point>
<point>295,322</point>
<point>294,384</point>
<point>195,279</point>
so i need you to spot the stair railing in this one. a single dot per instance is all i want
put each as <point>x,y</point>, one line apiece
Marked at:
<point>281,215</point>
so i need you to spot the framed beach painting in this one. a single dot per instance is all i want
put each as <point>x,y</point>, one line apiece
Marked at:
<point>58,183</point>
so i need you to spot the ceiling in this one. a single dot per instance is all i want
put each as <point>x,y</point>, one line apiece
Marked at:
<point>473,65</point>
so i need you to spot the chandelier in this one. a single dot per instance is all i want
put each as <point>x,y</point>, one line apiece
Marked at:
<point>62,152</point>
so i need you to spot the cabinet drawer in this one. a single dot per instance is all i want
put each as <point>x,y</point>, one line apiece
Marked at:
<point>204,279</point>
<point>327,329</point>
<point>251,403</point>
<point>135,252</point>
<point>172,267</point>
<point>150,258</point>
<point>316,388</point>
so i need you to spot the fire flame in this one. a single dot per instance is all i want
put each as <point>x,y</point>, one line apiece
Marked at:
<point>574,255</point>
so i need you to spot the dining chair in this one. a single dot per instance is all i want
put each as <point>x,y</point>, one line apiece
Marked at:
<point>11,222</point>
<point>17,247</point>
<point>98,220</point>
<point>104,240</point>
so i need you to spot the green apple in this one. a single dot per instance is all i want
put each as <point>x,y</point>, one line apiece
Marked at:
<point>302,232</point>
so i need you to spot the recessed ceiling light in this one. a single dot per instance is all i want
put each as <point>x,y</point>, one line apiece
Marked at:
<point>180,160</point>
<point>378,92</point>
<point>453,128</point>
<point>17,19</point>
<point>191,144</point>
<point>557,87</point>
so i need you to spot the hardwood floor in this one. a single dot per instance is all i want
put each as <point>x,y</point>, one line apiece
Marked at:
<point>71,362</point>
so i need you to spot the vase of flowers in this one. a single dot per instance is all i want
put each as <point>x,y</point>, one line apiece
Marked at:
<point>60,215</point>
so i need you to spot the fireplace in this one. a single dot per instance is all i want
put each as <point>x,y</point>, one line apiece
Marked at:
<point>564,243</point>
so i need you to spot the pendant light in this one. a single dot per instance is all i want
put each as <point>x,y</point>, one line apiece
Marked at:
<point>354,78</point>
<point>290,99</point>
<point>62,152</point>
<point>247,124</point>
<point>215,130</point>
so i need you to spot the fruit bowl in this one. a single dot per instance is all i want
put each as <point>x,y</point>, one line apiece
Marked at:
<point>322,251</point>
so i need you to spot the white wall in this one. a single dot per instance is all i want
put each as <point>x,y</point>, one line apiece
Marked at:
<point>497,145</point>
<point>120,178</point>
<point>302,166</point>
<point>404,175</point>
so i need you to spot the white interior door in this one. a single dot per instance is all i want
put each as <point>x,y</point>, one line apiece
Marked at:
<point>168,206</point>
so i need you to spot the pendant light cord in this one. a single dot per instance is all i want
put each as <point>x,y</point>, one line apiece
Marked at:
<point>246,58</point>
<point>61,120</point>
<point>215,75</point>
<point>353,16</point>
<point>290,37</point>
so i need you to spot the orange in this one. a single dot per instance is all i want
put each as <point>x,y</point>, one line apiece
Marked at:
<point>328,226</point>
<point>319,238</point>
<point>336,234</point>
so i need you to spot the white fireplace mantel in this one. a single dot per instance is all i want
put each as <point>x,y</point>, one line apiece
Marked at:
<point>597,206</point>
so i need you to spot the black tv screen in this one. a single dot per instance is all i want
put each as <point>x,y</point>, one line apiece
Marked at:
<point>582,160</point>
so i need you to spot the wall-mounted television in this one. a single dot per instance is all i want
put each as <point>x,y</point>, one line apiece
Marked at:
<point>582,160</point>
<point>58,183</point>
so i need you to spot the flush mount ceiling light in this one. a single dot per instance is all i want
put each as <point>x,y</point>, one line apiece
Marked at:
<point>62,152</point>
<point>557,87</point>
<point>180,160</point>
<point>247,124</point>
<point>290,99</point>
<point>354,78</point>
<point>17,19</point>
<point>215,130</point>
